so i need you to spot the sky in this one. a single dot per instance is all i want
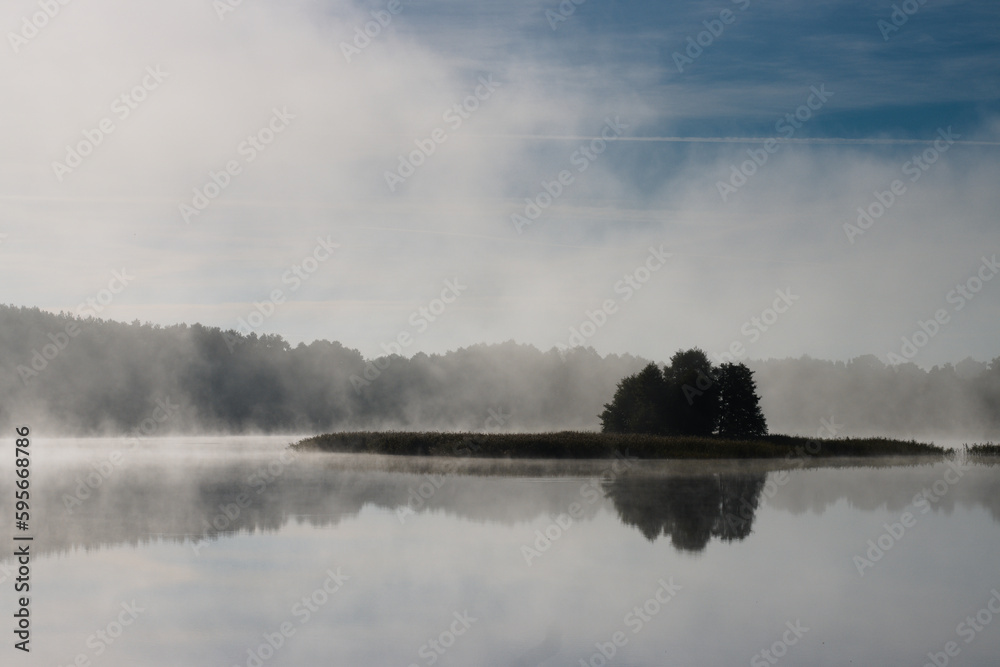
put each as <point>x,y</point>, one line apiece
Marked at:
<point>763,179</point>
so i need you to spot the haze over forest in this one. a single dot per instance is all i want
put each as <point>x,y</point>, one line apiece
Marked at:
<point>632,178</point>
<point>260,151</point>
<point>107,377</point>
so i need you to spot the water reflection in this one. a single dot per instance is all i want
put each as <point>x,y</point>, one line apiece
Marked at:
<point>422,541</point>
<point>154,502</point>
<point>688,510</point>
<point>198,500</point>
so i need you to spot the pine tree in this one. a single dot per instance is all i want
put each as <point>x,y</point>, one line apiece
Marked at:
<point>740,415</point>
<point>692,399</point>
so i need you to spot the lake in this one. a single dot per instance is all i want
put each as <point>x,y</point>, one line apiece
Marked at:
<point>234,552</point>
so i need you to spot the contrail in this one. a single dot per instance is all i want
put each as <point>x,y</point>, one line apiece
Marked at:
<point>731,140</point>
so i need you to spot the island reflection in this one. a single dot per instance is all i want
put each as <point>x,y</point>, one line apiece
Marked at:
<point>688,510</point>
<point>195,501</point>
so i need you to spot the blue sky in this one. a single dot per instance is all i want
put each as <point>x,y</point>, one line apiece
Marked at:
<point>659,181</point>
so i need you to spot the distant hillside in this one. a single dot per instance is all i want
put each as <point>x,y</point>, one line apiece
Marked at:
<point>90,376</point>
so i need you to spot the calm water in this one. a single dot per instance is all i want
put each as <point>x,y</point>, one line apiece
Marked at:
<point>217,552</point>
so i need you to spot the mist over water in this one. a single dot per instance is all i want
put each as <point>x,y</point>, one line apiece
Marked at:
<point>233,533</point>
<point>227,225</point>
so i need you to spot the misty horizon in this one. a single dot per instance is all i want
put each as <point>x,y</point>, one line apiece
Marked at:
<point>400,332</point>
<point>145,380</point>
<point>325,170</point>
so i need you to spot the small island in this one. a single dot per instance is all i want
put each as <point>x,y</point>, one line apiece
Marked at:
<point>690,409</point>
<point>593,445</point>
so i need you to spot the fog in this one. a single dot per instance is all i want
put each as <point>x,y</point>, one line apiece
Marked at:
<point>307,238</point>
<point>103,377</point>
<point>226,225</point>
<point>201,494</point>
<point>215,542</point>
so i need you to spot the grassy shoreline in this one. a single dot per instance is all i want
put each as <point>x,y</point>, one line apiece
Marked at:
<point>590,445</point>
<point>988,450</point>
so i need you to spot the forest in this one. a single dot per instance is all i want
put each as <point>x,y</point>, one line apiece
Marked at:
<point>86,376</point>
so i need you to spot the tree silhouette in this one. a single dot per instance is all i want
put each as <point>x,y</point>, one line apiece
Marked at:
<point>692,406</point>
<point>689,397</point>
<point>740,415</point>
<point>637,404</point>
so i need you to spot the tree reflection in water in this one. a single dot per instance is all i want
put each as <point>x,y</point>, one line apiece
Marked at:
<point>690,510</point>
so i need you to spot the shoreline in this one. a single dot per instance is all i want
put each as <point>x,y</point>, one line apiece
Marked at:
<point>584,445</point>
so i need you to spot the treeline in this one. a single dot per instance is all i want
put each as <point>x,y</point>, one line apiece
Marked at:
<point>89,376</point>
<point>864,396</point>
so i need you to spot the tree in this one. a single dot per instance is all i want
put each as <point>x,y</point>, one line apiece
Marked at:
<point>740,415</point>
<point>688,397</point>
<point>692,405</point>
<point>637,406</point>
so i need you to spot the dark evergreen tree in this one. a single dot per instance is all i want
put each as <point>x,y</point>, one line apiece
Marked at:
<point>740,415</point>
<point>689,397</point>
<point>637,406</point>
<point>692,396</point>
